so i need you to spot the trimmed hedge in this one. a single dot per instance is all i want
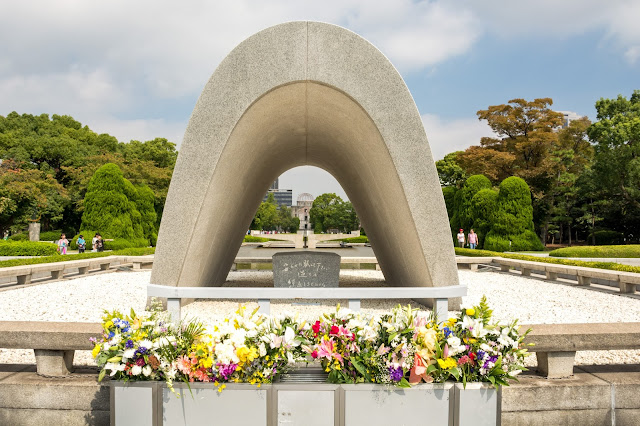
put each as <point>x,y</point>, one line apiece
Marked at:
<point>600,265</point>
<point>19,237</point>
<point>355,240</point>
<point>57,258</point>
<point>27,248</point>
<point>598,251</point>
<point>121,243</point>
<point>253,239</point>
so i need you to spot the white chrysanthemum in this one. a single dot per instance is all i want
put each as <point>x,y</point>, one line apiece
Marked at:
<point>148,344</point>
<point>455,345</point>
<point>239,337</point>
<point>128,353</point>
<point>146,370</point>
<point>136,370</point>
<point>115,340</point>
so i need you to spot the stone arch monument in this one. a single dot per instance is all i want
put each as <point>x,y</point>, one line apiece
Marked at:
<point>305,93</point>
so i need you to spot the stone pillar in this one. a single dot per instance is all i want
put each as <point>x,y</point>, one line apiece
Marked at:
<point>34,231</point>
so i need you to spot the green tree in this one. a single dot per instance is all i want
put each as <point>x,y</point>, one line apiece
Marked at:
<point>483,209</point>
<point>571,158</point>
<point>110,205</point>
<point>449,171</point>
<point>616,166</point>
<point>526,135</point>
<point>449,194</point>
<point>512,227</point>
<point>323,211</point>
<point>462,212</point>
<point>145,203</point>
<point>28,195</point>
<point>266,217</point>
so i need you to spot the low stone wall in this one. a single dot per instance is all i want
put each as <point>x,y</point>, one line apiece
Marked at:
<point>594,395</point>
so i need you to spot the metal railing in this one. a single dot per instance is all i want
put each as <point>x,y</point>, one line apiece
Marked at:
<point>440,295</point>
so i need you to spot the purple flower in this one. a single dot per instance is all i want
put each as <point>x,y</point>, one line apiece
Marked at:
<point>447,332</point>
<point>226,370</point>
<point>396,374</point>
<point>129,344</point>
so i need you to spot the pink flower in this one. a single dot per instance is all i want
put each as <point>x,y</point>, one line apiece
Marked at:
<point>326,350</point>
<point>418,372</point>
<point>383,350</point>
<point>184,364</point>
<point>445,351</point>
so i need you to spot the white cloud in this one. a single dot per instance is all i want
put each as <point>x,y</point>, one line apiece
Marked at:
<point>447,136</point>
<point>617,20</point>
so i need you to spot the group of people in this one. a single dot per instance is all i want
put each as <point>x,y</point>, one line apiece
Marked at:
<point>471,239</point>
<point>97,244</point>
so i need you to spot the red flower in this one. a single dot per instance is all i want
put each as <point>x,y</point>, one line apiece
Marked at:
<point>314,354</point>
<point>335,329</point>
<point>472,356</point>
<point>316,328</point>
<point>140,362</point>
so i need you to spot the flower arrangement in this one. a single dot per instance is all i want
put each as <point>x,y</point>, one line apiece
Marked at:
<point>402,348</point>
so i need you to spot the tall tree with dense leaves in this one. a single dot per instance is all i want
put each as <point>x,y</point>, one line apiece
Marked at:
<point>110,205</point>
<point>571,158</point>
<point>512,227</point>
<point>28,194</point>
<point>449,171</point>
<point>462,211</point>
<point>526,135</point>
<point>616,138</point>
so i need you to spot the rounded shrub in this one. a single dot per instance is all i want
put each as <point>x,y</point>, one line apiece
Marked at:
<point>513,219</point>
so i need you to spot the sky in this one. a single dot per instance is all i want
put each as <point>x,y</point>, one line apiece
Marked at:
<point>135,69</point>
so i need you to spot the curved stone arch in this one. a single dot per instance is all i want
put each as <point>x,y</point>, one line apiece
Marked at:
<point>305,93</point>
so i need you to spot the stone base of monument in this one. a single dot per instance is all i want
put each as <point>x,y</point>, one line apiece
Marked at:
<point>308,404</point>
<point>306,269</point>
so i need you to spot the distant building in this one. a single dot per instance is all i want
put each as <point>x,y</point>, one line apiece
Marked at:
<point>284,197</point>
<point>302,209</point>
<point>568,117</point>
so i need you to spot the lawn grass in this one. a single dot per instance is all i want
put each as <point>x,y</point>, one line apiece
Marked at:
<point>626,251</point>
<point>600,265</point>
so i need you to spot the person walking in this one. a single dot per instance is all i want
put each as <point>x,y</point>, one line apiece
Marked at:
<point>461,239</point>
<point>472,239</point>
<point>99,243</point>
<point>82,244</point>
<point>63,243</point>
<point>94,240</point>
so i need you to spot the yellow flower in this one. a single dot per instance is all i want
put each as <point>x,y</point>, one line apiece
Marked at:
<point>471,312</point>
<point>446,364</point>
<point>95,351</point>
<point>108,325</point>
<point>221,387</point>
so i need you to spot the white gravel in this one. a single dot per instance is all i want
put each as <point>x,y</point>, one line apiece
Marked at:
<point>510,296</point>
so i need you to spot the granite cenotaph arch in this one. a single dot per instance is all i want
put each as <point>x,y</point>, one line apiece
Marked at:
<point>305,93</point>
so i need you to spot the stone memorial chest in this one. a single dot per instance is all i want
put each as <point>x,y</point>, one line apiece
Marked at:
<point>306,269</point>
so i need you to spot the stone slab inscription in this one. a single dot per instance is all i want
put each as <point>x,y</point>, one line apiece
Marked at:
<point>306,269</point>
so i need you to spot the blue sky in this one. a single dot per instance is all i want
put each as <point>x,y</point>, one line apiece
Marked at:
<point>136,69</point>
